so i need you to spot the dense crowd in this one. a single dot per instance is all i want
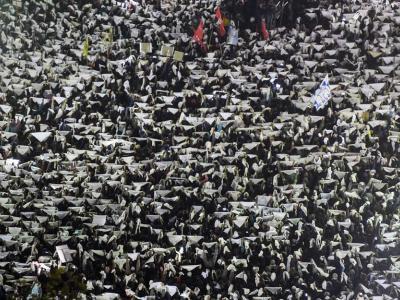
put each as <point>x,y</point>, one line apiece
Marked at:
<point>141,176</point>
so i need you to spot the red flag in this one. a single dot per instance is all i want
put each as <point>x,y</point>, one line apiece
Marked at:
<point>264,30</point>
<point>220,21</point>
<point>198,35</point>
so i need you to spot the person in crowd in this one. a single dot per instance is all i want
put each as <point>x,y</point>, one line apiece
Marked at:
<point>151,151</point>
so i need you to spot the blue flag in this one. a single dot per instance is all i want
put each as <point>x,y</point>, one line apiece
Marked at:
<point>322,95</point>
<point>233,36</point>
